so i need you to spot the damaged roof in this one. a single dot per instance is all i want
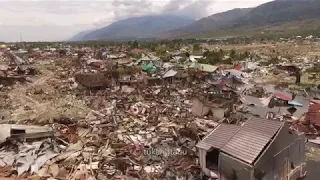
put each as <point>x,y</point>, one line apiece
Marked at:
<point>251,139</point>
<point>314,114</point>
<point>170,73</point>
<point>218,137</point>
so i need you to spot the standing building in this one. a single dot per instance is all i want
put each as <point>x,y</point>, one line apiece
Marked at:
<point>260,149</point>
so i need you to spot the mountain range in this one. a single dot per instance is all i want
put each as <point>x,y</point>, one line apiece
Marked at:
<point>274,15</point>
<point>135,28</point>
<point>209,23</point>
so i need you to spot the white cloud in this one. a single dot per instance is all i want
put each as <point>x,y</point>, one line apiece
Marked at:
<point>78,14</point>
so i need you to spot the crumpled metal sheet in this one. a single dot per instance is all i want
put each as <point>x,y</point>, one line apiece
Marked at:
<point>32,157</point>
<point>7,158</point>
<point>41,160</point>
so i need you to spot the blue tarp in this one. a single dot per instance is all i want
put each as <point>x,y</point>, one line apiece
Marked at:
<point>295,103</point>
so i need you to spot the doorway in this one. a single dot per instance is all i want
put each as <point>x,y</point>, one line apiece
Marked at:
<point>212,159</point>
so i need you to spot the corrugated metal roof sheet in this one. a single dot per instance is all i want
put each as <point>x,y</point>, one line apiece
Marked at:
<point>149,58</point>
<point>251,139</point>
<point>218,137</point>
<point>170,73</point>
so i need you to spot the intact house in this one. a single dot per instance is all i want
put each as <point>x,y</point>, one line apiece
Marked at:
<point>260,149</point>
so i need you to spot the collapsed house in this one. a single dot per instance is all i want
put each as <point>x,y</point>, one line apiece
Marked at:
<point>132,113</point>
<point>150,63</point>
<point>201,108</point>
<point>176,77</point>
<point>96,80</point>
<point>309,123</point>
<point>15,71</point>
<point>259,149</point>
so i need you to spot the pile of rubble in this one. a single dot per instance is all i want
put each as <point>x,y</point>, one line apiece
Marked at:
<point>116,118</point>
<point>139,135</point>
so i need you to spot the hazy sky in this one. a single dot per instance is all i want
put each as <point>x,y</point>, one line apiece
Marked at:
<point>60,19</point>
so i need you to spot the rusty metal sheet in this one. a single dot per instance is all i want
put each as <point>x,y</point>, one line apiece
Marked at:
<point>315,101</point>
<point>304,128</point>
<point>314,114</point>
<point>218,137</point>
<point>251,139</point>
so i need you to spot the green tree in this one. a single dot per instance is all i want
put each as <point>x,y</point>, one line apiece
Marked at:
<point>152,48</point>
<point>233,54</point>
<point>217,59</point>
<point>130,54</point>
<point>166,58</point>
<point>121,71</point>
<point>206,53</point>
<point>161,51</point>
<point>196,47</point>
<point>244,55</point>
<point>221,51</point>
<point>213,60</point>
<point>135,44</point>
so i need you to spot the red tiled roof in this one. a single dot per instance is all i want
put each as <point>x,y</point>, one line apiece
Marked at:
<point>282,96</point>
